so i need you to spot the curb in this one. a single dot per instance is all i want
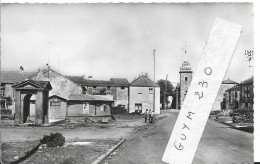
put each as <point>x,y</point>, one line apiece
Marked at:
<point>102,157</point>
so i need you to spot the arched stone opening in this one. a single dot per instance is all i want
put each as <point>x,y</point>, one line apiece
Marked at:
<point>23,93</point>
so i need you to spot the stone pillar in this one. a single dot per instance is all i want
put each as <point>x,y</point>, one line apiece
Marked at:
<point>39,108</point>
<point>17,119</point>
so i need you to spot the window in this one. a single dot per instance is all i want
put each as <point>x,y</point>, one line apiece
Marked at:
<point>235,94</point>
<point>150,89</point>
<point>104,108</point>
<point>246,90</point>
<point>3,91</point>
<point>94,87</point>
<point>55,104</point>
<point>186,78</point>
<point>122,87</point>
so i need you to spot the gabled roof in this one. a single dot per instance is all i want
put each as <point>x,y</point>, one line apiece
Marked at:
<point>76,79</point>
<point>97,83</point>
<point>14,76</point>
<point>228,81</point>
<point>120,81</point>
<point>82,97</point>
<point>248,81</point>
<point>143,81</point>
<point>33,83</point>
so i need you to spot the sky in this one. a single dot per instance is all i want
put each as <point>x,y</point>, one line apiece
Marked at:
<point>117,40</point>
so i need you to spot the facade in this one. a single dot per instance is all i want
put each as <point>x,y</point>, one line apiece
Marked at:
<point>116,87</point>
<point>247,93</point>
<point>62,86</point>
<point>185,79</point>
<point>226,84</point>
<point>141,92</point>
<point>241,95</point>
<point>8,79</point>
<point>231,98</point>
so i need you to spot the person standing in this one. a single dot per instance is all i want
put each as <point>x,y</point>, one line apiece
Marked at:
<point>146,115</point>
<point>152,117</point>
<point>149,116</point>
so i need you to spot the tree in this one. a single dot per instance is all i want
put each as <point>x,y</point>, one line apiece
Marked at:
<point>169,91</point>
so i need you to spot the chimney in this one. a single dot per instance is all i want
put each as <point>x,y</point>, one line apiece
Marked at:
<point>21,68</point>
<point>90,78</point>
<point>146,75</point>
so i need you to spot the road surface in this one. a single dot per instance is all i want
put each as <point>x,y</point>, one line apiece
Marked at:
<point>219,144</point>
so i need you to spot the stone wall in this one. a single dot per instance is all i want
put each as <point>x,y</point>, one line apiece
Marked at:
<point>220,96</point>
<point>57,112</point>
<point>184,85</point>
<point>120,96</point>
<point>61,85</point>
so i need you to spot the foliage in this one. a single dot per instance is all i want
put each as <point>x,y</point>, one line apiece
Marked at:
<point>118,110</point>
<point>169,91</point>
<point>53,140</point>
<point>103,91</point>
<point>8,101</point>
<point>243,114</point>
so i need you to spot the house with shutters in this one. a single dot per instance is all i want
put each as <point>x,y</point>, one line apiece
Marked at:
<point>142,95</point>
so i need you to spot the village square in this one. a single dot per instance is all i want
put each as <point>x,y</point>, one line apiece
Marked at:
<point>53,113</point>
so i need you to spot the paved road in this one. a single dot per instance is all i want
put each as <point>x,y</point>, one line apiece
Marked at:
<point>219,144</point>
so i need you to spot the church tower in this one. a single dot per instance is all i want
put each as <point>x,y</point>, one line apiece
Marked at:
<point>185,78</point>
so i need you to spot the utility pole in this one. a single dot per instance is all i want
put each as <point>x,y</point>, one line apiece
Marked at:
<point>165,90</point>
<point>154,80</point>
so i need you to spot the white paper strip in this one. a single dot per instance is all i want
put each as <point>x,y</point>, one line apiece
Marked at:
<point>202,92</point>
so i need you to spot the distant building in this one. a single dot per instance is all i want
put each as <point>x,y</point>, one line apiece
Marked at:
<point>116,87</point>
<point>247,93</point>
<point>141,92</point>
<point>226,84</point>
<point>63,90</point>
<point>9,78</point>
<point>240,95</point>
<point>185,79</point>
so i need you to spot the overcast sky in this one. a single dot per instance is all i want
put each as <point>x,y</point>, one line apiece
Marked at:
<point>117,40</point>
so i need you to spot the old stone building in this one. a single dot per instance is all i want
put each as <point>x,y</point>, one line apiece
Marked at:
<point>141,92</point>
<point>116,87</point>
<point>226,84</point>
<point>8,79</point>
<point>185,79</point>
<point>240,95</point>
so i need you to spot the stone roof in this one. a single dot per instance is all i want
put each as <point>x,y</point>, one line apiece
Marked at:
<point>120,81</point>
<point>14,76</point>
<point>248,81</point>
<point>82,97</point>
<point>113,81</point>
<point>143,81</point>
<point>228,81</point>
<point>76,79</point>
<point>38,84</point>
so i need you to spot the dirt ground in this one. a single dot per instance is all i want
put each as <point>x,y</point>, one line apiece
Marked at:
<point>67,154</point>
<point>17,140</point>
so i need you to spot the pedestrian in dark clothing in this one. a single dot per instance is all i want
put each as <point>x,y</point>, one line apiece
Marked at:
<point>146,115</point>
